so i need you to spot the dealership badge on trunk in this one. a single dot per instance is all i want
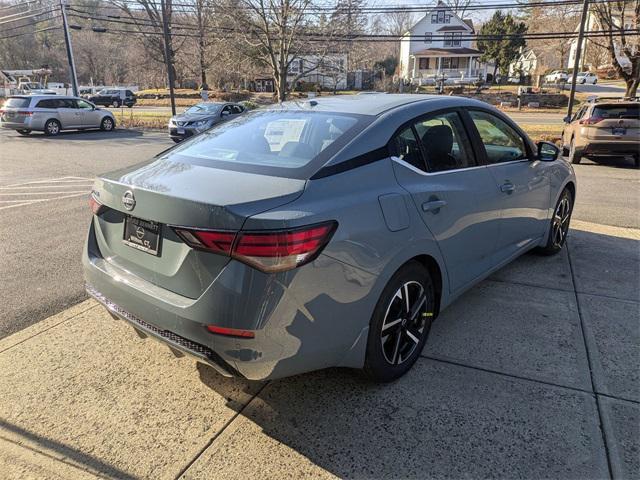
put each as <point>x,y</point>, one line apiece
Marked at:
<point>128,200</point>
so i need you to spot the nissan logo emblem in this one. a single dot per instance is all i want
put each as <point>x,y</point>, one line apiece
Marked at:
<point>128,200</point>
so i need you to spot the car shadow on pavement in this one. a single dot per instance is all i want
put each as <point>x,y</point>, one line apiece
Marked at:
<point>70,455</point>
<point>454,418</point>
<point>614,162</point>
<point>76,135</point>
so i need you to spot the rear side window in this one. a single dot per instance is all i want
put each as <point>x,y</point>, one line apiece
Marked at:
<point>17,102</point>
<point>49,103</point>
<point>501,142</point>
<point>405,146</point>
<point>616,111</point>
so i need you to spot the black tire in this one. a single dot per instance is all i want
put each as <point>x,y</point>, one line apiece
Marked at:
<point>52,127</point>
<point>393,334</point>
<point>574,156</point>
<point>176,140</point>
<point>107,124</point>
<point>559,227</point>
<point>595,81</point>
<point>24,132</point>
<point>636,160</point>
<point>116,103</point>
<point>130,105</point>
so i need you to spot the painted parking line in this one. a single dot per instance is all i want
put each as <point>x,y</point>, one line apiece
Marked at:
<point>43,190</point>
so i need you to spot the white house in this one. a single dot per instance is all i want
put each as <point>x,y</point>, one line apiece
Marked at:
<point>436,46</point>
<point>328,71</point>
<point>525,64</point>
<point>593,24</point>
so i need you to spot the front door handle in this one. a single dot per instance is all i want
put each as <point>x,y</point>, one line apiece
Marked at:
<point>507,187</point>
<point>433,206</point>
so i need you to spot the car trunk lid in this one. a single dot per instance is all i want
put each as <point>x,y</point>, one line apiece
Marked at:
<point>170,194</point>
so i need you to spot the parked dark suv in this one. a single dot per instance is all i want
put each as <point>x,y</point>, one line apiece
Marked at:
<point>114,97</point>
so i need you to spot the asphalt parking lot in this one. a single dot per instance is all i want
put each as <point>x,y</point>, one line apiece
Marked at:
<point>531,374</point>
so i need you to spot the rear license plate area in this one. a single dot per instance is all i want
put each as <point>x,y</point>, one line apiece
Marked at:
<point>143,235</point>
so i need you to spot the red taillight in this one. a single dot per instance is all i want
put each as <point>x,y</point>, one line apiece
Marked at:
<point>590,121</point>
<point>95,206</point>
<point>231,332</point>
<point>268,251</point>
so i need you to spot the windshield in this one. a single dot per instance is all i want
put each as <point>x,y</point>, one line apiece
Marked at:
<point>17,102</point>
<point>281,143</point>
<point>204,108</point>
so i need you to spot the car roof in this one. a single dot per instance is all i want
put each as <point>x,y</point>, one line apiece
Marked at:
<point>361,104</point>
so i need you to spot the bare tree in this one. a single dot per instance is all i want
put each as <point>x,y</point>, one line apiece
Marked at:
<point>616,18</point>
<point>459,7</point>
<point>277,33</point>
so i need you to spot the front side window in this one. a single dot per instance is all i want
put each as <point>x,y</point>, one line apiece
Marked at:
<point>444,142</point>
<point>84,105</point>
<point>501,142</point>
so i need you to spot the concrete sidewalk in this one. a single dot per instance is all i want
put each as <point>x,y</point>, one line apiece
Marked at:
<point>534,373</point>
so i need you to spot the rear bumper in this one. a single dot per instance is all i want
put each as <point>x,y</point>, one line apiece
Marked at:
<point>314,317</point>
<point>602,149</point>
<point>21,125</point>
<point>200,352</point>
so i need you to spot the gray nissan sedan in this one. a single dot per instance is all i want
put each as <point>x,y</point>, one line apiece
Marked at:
<point>200,117</point>
<point>325,233</point>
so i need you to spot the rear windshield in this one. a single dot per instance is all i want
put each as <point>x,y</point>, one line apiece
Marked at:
<point>617,111</point>
<point>284,143</point>
<point>17,102</point>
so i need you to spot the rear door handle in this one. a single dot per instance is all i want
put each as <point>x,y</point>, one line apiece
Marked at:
<point>507,187</point>
<point>433,206</point>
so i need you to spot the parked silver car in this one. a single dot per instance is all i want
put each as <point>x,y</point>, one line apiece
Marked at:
<point>200,117</point>
<point>323,233</point>
<point>52,114</point>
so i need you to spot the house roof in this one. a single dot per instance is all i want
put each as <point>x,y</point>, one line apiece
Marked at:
<point>437,52</point>
<point>469,22</point>
<point>450,28</point>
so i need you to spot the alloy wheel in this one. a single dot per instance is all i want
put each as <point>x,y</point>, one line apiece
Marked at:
<point>107,124</point>
<point>53,128</point>
<point>561,221</point>
<point>404,323</point>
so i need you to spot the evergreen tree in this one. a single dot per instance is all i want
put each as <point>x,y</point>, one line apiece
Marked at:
<point>501,50</point>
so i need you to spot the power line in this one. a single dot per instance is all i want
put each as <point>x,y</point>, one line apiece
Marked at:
<point>5,30</point>
<point>31,33</point>
<point>41,12</point>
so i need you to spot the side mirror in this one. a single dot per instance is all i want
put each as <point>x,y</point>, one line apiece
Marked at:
<point>566,119</point>
<point>547,152</point>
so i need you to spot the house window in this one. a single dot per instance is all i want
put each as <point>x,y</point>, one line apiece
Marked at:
<point>428,37</point>
<point>423,63</point>
<point>452,39</point>
<point>440,17</point>
<point>450,62</point>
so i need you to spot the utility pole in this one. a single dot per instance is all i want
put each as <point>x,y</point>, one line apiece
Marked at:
<point>67,41</point>
<point>168,57</point>
<point>576,60</point>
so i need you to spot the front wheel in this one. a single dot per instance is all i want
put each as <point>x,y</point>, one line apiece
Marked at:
<point>116,104</point>
<point>400,323</point>
<point>559,224</point>
<point>107,124</point>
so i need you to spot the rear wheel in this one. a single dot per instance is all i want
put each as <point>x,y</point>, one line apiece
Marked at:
<point>116,103</point>
<point>559,224</point>
<point>52,127</point>
<point>400,323</point>
<point>24,132</point>
<point>574,156</point>
<point>107,124</point>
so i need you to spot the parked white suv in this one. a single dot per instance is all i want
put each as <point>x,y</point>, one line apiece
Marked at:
<point>556,76</point>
